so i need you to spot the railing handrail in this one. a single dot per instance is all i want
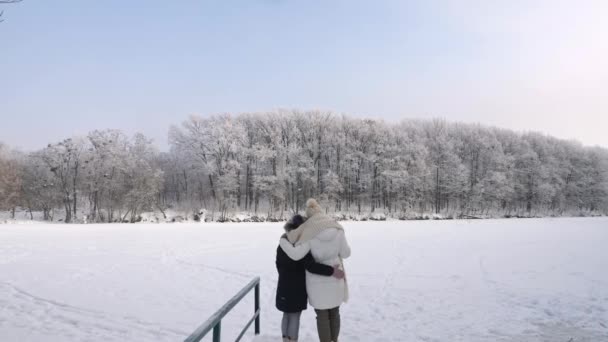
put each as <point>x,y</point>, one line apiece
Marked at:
<point>214,322</point>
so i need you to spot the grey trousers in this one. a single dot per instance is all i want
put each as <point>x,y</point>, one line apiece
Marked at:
<point>328,324</point>
<point>290,325</point>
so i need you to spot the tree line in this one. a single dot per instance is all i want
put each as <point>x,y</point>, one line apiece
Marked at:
<point>268,164</point>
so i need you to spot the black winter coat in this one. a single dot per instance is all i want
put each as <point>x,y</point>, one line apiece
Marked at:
<point>291,289</point>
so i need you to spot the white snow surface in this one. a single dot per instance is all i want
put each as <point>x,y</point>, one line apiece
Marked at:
<point>479,280</point>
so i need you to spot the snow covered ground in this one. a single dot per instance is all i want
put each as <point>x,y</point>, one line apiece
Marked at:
<point>482,280</point>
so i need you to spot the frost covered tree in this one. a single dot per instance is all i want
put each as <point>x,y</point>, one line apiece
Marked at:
<point>106,161</point>
<point>63,159</point>
<point>122,176</point>
<point>213,146</point>
<point>141,179</point>
<point>40,191</point>
<point>278,159</point>
<point>10,180</point>
<point>269,163</point>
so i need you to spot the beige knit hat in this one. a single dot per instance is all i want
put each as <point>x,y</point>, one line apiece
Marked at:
<point>312,207</point>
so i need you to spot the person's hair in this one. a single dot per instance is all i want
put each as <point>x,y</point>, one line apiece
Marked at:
<point>294,223</point>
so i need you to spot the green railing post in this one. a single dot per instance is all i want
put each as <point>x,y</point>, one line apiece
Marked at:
<point>256,308</point>
<point>215,321</point>
<point>217,331</point>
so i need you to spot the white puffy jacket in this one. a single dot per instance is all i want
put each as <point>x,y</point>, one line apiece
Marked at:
<point>327,248</point>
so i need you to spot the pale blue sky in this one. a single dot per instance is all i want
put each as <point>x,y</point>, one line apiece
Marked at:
<point>71,66</point>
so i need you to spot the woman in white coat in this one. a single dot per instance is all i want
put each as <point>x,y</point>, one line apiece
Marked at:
<point>325,239</point>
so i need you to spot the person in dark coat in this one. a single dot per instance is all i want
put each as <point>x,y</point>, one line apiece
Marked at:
<point>291,288</point>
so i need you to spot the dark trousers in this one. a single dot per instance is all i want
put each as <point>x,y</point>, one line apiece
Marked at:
<point>328,324</point>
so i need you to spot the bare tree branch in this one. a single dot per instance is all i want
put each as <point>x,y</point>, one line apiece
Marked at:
<point>7,2</point>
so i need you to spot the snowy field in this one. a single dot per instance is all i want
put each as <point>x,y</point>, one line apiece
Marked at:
<point>494,280</point>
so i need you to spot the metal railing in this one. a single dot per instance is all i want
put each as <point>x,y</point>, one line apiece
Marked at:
<point>215,322</point>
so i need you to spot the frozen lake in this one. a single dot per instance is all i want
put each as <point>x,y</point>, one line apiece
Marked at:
<point>492,280</point>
